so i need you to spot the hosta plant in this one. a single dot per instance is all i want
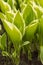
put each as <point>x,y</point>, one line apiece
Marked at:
<point>21,27</point>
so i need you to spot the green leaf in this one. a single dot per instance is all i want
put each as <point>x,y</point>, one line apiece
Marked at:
<point>14,54</point>
<point>4,40</point>
<point>30,30</point>
<point>25,43</point>
<point>11,3</point>
<point>13,32</point>
<point>5,0</point>
<point>4,6</point>
<point>10,16</point>
<point>0,39</point>
<point>41,24</point>
<point>19,22</point>
<point>0,28</point>
<point>28,14</point>
<point>4,53</point>
<point>41,54</point>
<point>22,6</point>
<point>2,16</point>
<point>1,47</point>
<point>38,9</point>
<point>41,30</point>
<point>40,2</point>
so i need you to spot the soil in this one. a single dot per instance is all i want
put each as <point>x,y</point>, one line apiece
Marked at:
<point>23,59</point>
<point>5,60</point>
<point>34,61</point>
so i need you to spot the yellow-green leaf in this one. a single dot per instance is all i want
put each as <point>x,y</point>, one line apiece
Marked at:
<point>28,14</point>
<point>30,30</point>
<point>4,6</point>
<point>13,32</point>
<point>2,16</point>
<point>41,54</point>
<point>19,22</point>
<point>10,16</point>
<point>4,40</point>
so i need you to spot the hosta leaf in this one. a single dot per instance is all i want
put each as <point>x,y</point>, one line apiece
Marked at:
<point>30,30</point>
<point>41,24</point>
<point>14,54</point>
<point>25,43</point>
<point>0,29</point>
<point>40,2</point>
<point>4,53</point>
<point>2,16</point>
<point>37,2</point>
<point>10,16</point>
<point>1,47</point>
<point>11,3</point>
<point>38,9</point>
<point>13,32</point>
<point>0,39</point>
<point>22,6</point>
<point>41,54</point>
<point>0,42</point>
<point>19,22</point>
<point>5,0</point>
<point>41,30</point>
<point>28,14</point>
<point>4,6</point>
<point>4,40</point>
<point>27,1</point>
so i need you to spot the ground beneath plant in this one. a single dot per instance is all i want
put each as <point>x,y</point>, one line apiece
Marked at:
<point>24,61</point>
